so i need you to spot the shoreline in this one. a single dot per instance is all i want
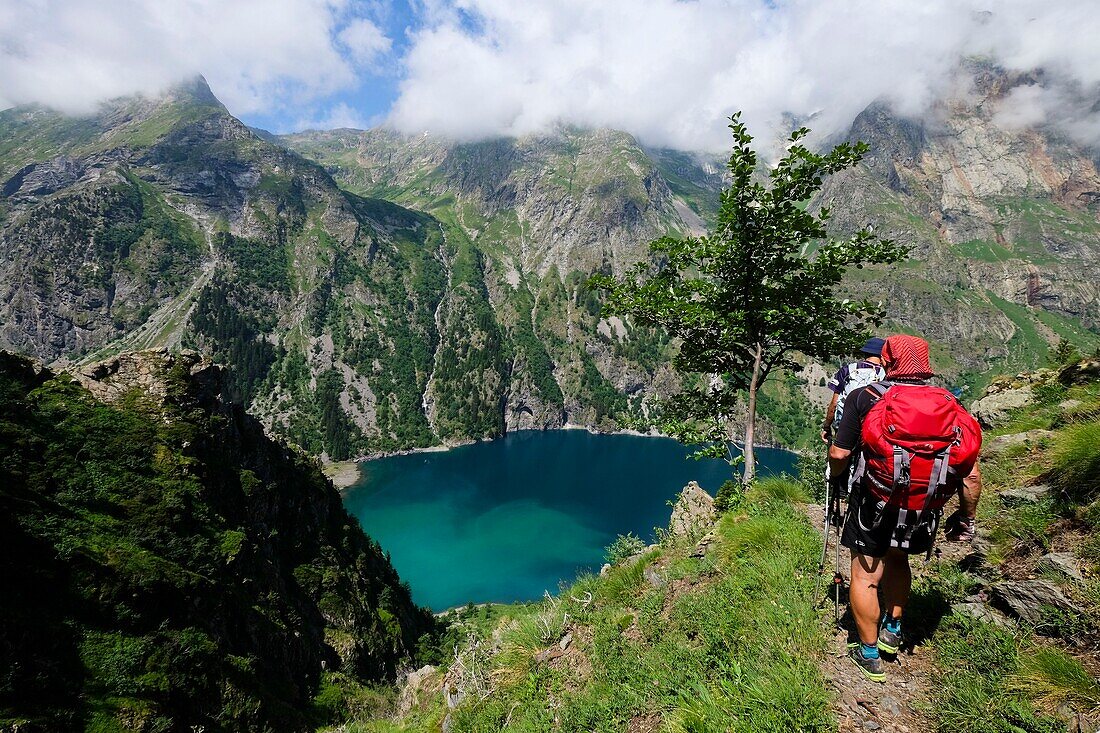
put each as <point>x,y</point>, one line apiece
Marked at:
<point>345,474</point>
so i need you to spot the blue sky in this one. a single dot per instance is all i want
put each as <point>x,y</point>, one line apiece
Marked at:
<point>668,71</point>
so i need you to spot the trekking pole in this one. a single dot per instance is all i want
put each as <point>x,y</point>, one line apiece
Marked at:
<point>838,580</point>
<point>825,529</point>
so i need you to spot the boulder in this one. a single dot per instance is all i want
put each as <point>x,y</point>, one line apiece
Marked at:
<point>1024,495</point>
<point>993,409</point>
<point>1001,443</point>
<point>693,513</point>
<point>1062,563</point>
<point>703,545</point>
<point>653,577</point>
<point>1085,371</point>
<point>981,612</point>
<point>1026,599</point>
<point>412,688</point>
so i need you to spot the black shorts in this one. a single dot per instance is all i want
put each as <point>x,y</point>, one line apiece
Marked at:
<point>860,536</point>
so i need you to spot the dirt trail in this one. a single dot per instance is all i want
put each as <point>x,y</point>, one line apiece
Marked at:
<point>863,705</point>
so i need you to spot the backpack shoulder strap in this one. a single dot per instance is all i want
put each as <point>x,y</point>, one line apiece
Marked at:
<point>879,388</point>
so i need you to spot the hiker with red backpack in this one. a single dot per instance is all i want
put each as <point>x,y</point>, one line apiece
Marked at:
<point>915,447</point>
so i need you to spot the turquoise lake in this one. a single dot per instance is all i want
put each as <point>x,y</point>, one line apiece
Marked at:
<point>507,520</point>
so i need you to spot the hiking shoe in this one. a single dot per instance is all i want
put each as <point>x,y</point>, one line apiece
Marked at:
<point>889,641</point>
<point>959,528</point>
<point>871,668</point>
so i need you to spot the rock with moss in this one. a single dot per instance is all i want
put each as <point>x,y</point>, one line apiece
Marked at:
<point>693,514</point>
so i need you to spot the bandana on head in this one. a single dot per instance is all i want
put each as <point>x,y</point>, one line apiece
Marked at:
<point>906,357</point>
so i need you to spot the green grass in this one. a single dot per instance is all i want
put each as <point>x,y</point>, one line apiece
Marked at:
<point>1006,680</point>
<point>1076,458</point>
<point>1054,679</point>
<point>1026,347</point>
<point>979,688</point>
<point>985,251</point>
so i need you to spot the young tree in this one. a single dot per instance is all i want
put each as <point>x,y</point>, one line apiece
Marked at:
<point>758,289</point>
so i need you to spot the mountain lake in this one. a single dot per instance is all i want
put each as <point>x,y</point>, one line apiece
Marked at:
<point>507,520</point>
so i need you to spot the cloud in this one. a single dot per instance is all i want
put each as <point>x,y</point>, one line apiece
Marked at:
<point>671,71</point>
<point>258,55</point>
<point>365,42</point>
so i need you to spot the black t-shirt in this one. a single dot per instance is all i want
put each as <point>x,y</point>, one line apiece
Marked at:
<point>858,404</point>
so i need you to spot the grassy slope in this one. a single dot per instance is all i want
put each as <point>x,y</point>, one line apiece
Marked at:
<point>1016,679</point>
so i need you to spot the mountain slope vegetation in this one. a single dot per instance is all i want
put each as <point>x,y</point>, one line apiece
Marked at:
<point>169,567</point>
<point>440,295</point>
<point>1001,222</point>
<point>351,324</point>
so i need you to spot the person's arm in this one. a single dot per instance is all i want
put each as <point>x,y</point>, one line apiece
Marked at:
<point>838,460</point>
<point>847,433</point>
<point>830,414</point>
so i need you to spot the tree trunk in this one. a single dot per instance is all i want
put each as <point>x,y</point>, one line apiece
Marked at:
<point>750,422</point>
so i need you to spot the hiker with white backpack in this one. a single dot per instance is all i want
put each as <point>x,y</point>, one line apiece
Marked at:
<point>848,379</point>
<point>914,447</point>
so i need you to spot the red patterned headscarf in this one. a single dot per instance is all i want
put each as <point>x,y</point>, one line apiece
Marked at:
<point>906,357</point>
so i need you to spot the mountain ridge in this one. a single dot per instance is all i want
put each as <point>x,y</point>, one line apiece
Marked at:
<point>437,294</point>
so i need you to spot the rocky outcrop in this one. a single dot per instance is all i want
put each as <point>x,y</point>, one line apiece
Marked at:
<point>1082,372</point>
<point>157,374</point>
<point>1007,393</point>
<point>1001,443</point>
<point>693,512</point>
<point>1030,494</point>
<point>415,689</point>
<point>1030,599</point>
<point>1064,564</point>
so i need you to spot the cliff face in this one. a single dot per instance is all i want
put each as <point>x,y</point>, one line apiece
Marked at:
<point>1002,222</point>
<point>167,565</point>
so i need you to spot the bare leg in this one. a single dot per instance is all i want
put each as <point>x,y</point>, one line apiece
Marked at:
<point>897,579</point>
<point>863,595</point>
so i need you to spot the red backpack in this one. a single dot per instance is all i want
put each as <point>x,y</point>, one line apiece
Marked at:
<point>918,443</point>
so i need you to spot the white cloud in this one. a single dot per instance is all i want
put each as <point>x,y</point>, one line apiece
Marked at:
<point>670,71</point>
<point>365,42</point>
<point>258,55</point>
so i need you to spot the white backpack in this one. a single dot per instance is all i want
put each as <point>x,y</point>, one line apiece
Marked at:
<point>858,376</point>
